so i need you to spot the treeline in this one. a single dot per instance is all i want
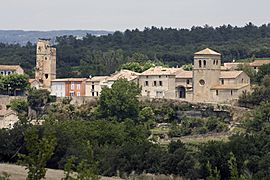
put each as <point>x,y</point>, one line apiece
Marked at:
<point>104,54</point>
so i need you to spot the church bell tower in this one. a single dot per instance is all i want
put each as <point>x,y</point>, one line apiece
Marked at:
<point>206,74</point>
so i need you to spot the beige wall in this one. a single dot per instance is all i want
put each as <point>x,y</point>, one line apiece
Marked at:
<point>165,90</point>
<point>89,91</point>
<point>228,95</point>
<point>206,74</point>
<point>45,63</point>
<point>8,121</point>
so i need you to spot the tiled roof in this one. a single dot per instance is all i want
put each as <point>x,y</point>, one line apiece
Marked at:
<point>69,80</point>
<point>98,78</point>
<point>9,67</point>
<point>184,74</point>
<point>129,75</point>
<point>207,51</point>
<point>229,87</point>
<point>159,70</point>
<point>259,62</point>
<point>229,74</point>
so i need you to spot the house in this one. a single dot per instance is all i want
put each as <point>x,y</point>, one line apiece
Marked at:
<point>158,82</point>
<point>235,65</point>
<point>68,87</point>
<point>34,83</point>
<point>10,69</point>
<point>95,84</point>
<point>8,118</point>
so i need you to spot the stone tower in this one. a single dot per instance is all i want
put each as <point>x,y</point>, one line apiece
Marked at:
<point>206,74</point>
<point>45,63</point>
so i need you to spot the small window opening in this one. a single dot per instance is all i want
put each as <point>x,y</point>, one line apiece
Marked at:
<point>46,76</point>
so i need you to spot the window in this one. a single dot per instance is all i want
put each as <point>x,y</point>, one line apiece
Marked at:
<point>2,72</point>
<point>146,76</point>
<point>217,92</point>
<point>188,81</point>
<point>78,94</point>
<point>242,80</point>
<point>231,92</point>
<point>97,93</point>
<point>93,87</point>
<point>204,63</point>
<point>155,83</point>
<point>45,58</point>
<point>159,93</point>
<point>71,93</point>
<point>160,83</point>
<point>159,76</point>
<point>214,62</point>
<point>72,86</point>
<point>46,76</point>
<point>146,83</point>
<point>222,81</point>
<point>93,93</point>
<point>78,86</point>
<point>202,82</point>
<point>200,63</point>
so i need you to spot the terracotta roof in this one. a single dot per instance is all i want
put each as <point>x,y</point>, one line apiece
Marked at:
<point>259,62</point>
<point>229,87</point>
<point>98,78</point>
<point>229,74</point>
<point>32,80</point>
<point>207,51</point>
<point>129,75</point>
<point>184,74</point>
<point>69,79</point>
<point>9,67</point>
<point>159,70</point>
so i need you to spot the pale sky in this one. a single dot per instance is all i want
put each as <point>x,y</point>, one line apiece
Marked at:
<point>129,14</point>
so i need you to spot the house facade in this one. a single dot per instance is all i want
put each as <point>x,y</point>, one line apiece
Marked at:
<point>68,87</point>
<point>10,69</point>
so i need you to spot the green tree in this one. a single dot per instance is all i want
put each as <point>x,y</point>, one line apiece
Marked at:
<point>13,83</point>
<point>37,99</point>
<point>120,101</point>
<point>40,148</point>
<point>214,174</point>
<point>233,167</point>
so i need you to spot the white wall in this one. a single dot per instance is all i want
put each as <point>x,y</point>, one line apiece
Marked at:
<point>58,89</point>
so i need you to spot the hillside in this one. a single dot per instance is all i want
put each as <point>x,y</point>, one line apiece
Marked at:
<point>102,55</point>
<point>22,37</point>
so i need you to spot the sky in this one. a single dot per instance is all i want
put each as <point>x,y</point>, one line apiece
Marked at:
<point>129,14</point>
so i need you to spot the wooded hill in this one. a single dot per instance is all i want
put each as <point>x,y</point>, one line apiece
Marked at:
<point>103,55</point>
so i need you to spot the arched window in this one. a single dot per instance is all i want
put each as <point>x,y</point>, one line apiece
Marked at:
<point>204,63</point>
<point>200,63</point>
<point>214,62</point>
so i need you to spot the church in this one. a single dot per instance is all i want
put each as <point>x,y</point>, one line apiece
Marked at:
<point>207,82</point>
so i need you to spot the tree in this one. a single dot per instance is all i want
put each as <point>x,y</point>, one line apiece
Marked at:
<point>37,99</point>
<point>233,167</point>
<point>13,83</point>
<point>120,101</point>
<point>40,148</point>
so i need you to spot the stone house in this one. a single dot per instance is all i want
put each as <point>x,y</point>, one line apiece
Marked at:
<point>95,84</point>
<point>8,118</point>
<point>10,69</point>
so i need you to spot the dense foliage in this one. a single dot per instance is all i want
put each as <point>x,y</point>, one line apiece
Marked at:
<point>101,55</point>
